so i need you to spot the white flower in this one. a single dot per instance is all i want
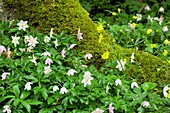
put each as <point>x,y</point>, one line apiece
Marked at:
<point>71,46</point>
<point>63,90</point>
<point>132,58</point>
<point>111,108</point>
<point>28,86</point>
<point>118,82</point>
<point>156,18</point>
<point>46,54</point>
<point>15,40</point>
<point>51,32</point>
<point>34,60</point>
<point>107,88</point>
<point>55,88</point>
<point>147,8</point>
<point>79,35</point>
<point>134,84</point>
<point>160,19</point>
<point>47,39</point>
<point>120,65</point>
<point>2,48</point>
<point>22,25</point>
<point>98,111</point>
<point>145,104</point>
<point>4,75</point>
<point>32,41</point>
<point>26,38</point>
<point>29,49</point>
<point>85,66</point>
<point>63,52</point>
<point>71,72</point>
<point>87,78</point>
<point>161,9</point>
<point>56,43</point>
<point>139,17</point>
<point>22,50</point>
<point>7,109</point>
<point>149,18</point>
<point>165,28</point>
<point>88,56</point>
<point>47,69</point>
<point>165,93</point>
<point>48,61</point>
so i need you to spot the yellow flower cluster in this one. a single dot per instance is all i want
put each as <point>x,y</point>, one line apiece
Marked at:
<point>166,42</point>
<point>100,38</point>
<point>153,46</point>
<point>165,52</point>
<point>100,29</point>
<point>105,55</point>
<point>148,31</point>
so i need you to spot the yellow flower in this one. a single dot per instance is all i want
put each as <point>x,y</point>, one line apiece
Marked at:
<point>119,10</point>
<point>134,25</point>
<point>114,40</point>
<point>153,46</point>
<point>114,13</point>
<point>105,55</point>
<point>124,60</point>
<point>158,69</point>
<point>166,42</point>
<point>100,38</point>
<point>168,61</point>
<point>134,17</point>
<point>165,52</point>
<point>100,28</point>
<point>168,93</point>
<point>148,31</point>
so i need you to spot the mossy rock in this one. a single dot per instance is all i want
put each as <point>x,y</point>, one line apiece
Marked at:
<point>69,15</point>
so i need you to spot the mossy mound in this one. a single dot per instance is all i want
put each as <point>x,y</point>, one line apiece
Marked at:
<point>68,14</point>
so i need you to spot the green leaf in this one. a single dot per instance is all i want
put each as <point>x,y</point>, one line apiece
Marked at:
<point>8,96</point>
<point>24,94</point>
<point>16,91</point>
<point>148,85</point>
<point>16,102</point>
<point>12,30</point>
<point>26,105</point>
<point>31,78</point>
<point>34,102</point>
<point>50,100</point>
<point>44,93</point>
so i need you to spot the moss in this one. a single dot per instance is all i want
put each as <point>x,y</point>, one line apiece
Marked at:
<point>68,14</point>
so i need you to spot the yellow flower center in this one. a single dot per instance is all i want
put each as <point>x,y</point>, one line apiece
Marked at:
<point>100,29</point>
<point>153,46</point>
<point>105,55</point>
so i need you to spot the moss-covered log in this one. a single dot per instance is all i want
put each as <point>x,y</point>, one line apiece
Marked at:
<point>68,14</point>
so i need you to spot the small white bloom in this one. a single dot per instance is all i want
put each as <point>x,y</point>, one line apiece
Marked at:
<point>46,54</point>
<point>51,32</point>
<point>63,90</point>
<point>147,8</point>
<point>120,65</point>
<point>29,49</point>
<point>88,56</point>
<point>132,58</point>
<point>161,9</point>
<point>2,49</point>
<point>47,39</point>
<point>7,109</point>
<point>84,66</point>
<point>48,61</point>
<point>71,72</point>
<point>156,18</point>
<point>111,108</point>
<point>165,28</point>
<point>15,40</point>
<point>134,84</point>
<point>47,69</point>
<point>4,75</point>
<point>98,111</point>
<point>34,60</point>
<point>160,19</point>
<point>87,78</point>
<point>63,52</point>
<point>32,41</point>
<point>22,50</point>
<point>22,25</point>
<point>149,18</point>
<point>72,46</point>
<point>138,17</point>
<point>145,104</point>
<point>79,35</point>
<point>55,88</point>
<point>56,43</point>
<point>107,88</point>
<point>165,93</point>
<point>118,82</point>
<point>26,38</point>
<point>28,86</point>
